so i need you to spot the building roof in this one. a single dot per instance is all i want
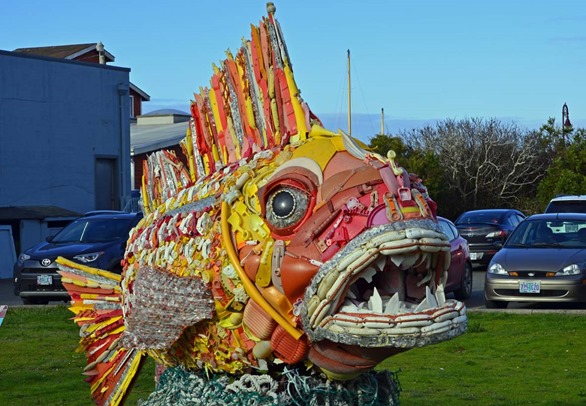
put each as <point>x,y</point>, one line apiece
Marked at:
<point>65,51</point>
<point>145,138</point>
<point>74,51</point>
<point>140,92</point>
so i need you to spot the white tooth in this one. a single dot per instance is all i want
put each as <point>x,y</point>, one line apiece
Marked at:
<point>410,260</point>
<point>397,260</point>
<point>424,305</point>
<point>375,303</point>
<point>430,298</point>
<point>380,263</point>
<point>393,305</point>
<point>348,306</point>
<point>426,278</point>
<point>440,295</point>
<point>351,294</point>
<point>368,274</point>
<point>354,290</point>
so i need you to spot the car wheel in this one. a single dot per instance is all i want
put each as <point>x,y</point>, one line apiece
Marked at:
<point>465,289</point>
<point>493,304</point>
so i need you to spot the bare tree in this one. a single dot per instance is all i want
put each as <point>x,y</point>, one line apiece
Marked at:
<point>485,163</point>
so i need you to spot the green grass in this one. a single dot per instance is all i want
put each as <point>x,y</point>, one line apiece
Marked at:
<point>39,365</point>
<point>503,359</point>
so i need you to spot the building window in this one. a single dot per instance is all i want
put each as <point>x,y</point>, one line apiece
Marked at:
<point>131,106</point>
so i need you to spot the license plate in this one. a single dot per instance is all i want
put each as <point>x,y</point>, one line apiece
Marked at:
<point>529,287</point>
<point>44,280</point>
<point>476,255</point>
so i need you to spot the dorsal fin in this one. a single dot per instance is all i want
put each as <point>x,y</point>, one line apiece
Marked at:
<point>252,104</point>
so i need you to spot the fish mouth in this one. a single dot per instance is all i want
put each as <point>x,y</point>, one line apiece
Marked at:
<point>385,289</point>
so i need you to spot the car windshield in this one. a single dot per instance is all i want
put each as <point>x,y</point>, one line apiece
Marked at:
<point>567,206</point>
<point>486,217</point>
<point>94,230</point>
<point>549,233</point>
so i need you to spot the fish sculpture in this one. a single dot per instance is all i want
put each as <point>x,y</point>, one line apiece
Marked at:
<point>278,244</point>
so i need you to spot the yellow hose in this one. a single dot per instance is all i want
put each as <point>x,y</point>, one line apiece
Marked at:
<point>248,285</point>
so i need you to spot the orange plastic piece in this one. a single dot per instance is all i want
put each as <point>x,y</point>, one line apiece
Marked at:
<point>287,348</point>
<point>259,322</point>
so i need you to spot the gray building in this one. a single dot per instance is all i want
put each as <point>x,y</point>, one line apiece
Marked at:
<point>64,144</point>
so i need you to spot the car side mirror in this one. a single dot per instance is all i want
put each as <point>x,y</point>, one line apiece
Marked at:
<point>49,238</point>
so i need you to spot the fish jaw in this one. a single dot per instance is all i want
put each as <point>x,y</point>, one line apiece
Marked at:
<point>381,294</point>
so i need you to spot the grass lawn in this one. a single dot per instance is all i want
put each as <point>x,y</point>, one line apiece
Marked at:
<point>503,359</point>
<point>39,365</point>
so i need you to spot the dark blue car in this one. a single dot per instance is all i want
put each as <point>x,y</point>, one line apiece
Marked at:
<point>97,239</point>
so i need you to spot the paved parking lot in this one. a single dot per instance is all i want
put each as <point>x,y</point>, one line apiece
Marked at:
<point>474,303</point>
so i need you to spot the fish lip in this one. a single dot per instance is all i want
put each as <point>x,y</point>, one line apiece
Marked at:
<point>410,328</point>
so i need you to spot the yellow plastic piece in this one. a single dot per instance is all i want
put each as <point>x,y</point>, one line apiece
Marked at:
<point>277,300</point>
<point>248,285</point>
<point>263,276</point>
<point>90,270</point>
<point>321,150</point>
<point>299,113</point>
<point>319,131</point>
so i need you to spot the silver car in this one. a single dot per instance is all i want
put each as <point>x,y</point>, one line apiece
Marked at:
<point>543,260</point>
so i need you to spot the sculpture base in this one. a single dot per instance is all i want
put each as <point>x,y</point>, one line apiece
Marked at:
<point>177,386</point>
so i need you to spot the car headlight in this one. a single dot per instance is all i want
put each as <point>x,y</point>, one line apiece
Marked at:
<point>574,269</point>
<point>23,257</point>
<point>86,258</point>
<point>497,269</point>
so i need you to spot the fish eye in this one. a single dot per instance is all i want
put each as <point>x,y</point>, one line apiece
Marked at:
<point>286,206</point>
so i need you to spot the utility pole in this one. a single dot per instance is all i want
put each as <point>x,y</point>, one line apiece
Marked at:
<point>565,121</point>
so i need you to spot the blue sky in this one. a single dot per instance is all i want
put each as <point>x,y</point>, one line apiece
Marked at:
<point>420,61</point>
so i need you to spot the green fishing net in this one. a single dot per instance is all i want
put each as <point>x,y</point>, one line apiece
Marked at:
<point>180,387</point>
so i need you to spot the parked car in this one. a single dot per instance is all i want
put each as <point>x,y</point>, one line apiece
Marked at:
<point>97,239</point>
<point>486,230</point>
<point>460,271</point>
<point>567,204</point>
<point>543,260</point>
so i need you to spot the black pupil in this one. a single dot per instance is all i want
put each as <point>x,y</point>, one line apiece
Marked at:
<point>283,204</point>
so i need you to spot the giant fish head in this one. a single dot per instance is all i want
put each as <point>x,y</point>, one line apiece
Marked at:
<point>353,246</point>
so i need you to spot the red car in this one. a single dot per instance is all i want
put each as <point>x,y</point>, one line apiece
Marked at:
<point>460,272</point>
